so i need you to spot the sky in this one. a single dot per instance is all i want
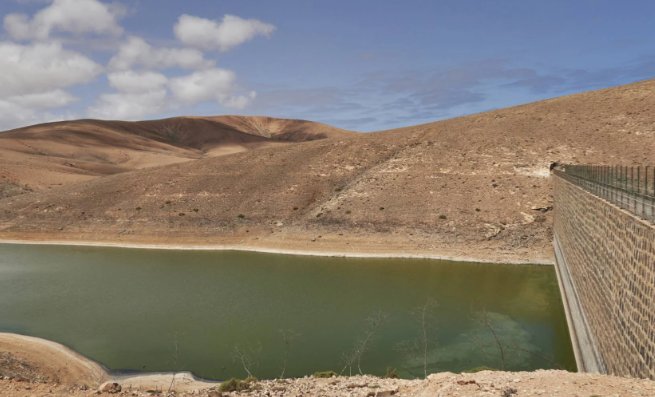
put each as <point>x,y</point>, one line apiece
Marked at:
<point>364,65</point>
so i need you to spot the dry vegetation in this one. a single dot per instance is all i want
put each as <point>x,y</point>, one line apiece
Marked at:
<point>475,186</point>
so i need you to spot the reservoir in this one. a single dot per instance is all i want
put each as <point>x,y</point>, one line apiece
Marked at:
<point>215,312</point>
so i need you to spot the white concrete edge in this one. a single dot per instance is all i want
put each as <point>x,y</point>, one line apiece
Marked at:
<point>585,348</point>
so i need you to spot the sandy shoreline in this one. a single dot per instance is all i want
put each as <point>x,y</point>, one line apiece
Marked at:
<point>60,364</point>
<point>53,361</point>
<point>269,250</point>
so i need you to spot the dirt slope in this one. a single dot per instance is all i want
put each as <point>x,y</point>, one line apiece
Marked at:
<point>54,154</point>
<point>475,186</point>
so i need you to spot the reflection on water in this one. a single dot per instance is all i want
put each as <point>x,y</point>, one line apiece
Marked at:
<point>220,313</point>
<point>495,340</point>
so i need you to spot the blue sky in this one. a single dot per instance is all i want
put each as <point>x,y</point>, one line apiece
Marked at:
<point>358,64</point>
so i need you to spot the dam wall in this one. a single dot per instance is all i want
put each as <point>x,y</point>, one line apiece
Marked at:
<point>604,240</point>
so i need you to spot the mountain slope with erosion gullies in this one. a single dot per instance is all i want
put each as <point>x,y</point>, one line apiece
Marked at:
<point>473,187</point>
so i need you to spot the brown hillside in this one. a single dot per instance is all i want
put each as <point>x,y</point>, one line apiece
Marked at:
<point>54,154</point>
<point>475,186</point>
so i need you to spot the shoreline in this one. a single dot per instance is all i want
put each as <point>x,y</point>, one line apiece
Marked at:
<point>280,251</point>
<point>64,372</point>
<point>71,367</point>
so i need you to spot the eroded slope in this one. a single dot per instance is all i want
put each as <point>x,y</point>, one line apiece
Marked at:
<point>475,186</point>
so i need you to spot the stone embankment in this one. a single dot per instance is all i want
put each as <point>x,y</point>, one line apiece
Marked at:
<point>606,265</point>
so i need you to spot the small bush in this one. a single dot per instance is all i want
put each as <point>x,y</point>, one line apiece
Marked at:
<point>391,373</point>
<point>181,214</point>
<point>241,216</point>
<point>324,374</point>
<point>195,210</point>
<point>234,384</point>
<point>138,208</point>
<point>442,216</point>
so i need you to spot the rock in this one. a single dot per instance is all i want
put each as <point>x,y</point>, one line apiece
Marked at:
<point>384,393</point>
<point>508,391</point>
<point>214,393</point>
<point>109,387</point>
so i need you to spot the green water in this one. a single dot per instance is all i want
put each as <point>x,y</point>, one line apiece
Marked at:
<point>158,310</point>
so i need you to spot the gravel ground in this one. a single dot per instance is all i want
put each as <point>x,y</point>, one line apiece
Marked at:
<point>485,383</point>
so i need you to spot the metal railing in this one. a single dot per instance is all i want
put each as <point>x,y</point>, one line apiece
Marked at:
<point>631,188</point>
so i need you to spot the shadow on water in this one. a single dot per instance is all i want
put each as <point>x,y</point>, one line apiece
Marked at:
<point>223,314</point>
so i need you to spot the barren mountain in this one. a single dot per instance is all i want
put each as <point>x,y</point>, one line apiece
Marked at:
<point>475,186</point>
<point>54,154</point>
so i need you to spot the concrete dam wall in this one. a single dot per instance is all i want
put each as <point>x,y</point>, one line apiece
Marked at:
<point>604,240</point>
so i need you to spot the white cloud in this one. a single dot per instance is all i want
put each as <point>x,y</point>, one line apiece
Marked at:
<point>141,94</point>
<point>33,79</point>
<point>224,35</point>
<point>70,16</point>
<point>137,52</point>
<point>134,82</point>
<point>42,67</point>
<point>215,85</point>
<point>21,110</point>
<point>42,100</point>
<point>239,101</point>
<point>138,94</point>
<point>128,106</point>
<point>204,86</point>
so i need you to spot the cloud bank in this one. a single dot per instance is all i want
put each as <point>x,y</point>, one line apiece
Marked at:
<point>39,66</point>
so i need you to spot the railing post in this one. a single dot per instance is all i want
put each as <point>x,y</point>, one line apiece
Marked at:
<point>646,188</point>
<point>652,198</point>
<point>639,190</point>
<point>632,189</point>
<point>612,178</point>
<point>625,186</point>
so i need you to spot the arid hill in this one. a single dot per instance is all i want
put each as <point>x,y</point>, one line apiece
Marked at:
<point>55,154</point>
<point>475,186</point>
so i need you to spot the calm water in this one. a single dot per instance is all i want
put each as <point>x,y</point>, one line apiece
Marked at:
<point>156,310</point>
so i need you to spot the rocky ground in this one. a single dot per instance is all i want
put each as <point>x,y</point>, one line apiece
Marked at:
<point>485,383</point>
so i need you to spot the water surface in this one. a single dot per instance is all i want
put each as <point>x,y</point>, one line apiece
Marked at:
<point>161,310</point>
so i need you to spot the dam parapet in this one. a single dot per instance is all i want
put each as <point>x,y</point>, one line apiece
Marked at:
<point>604,240</point>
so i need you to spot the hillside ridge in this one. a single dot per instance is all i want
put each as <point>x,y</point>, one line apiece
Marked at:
<point>48,155</point>
<point>475,186</point>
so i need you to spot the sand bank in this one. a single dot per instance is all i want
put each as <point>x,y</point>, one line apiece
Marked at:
<point>285,251</point>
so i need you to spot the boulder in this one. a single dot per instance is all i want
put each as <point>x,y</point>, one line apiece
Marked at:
<point>109,387</point>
